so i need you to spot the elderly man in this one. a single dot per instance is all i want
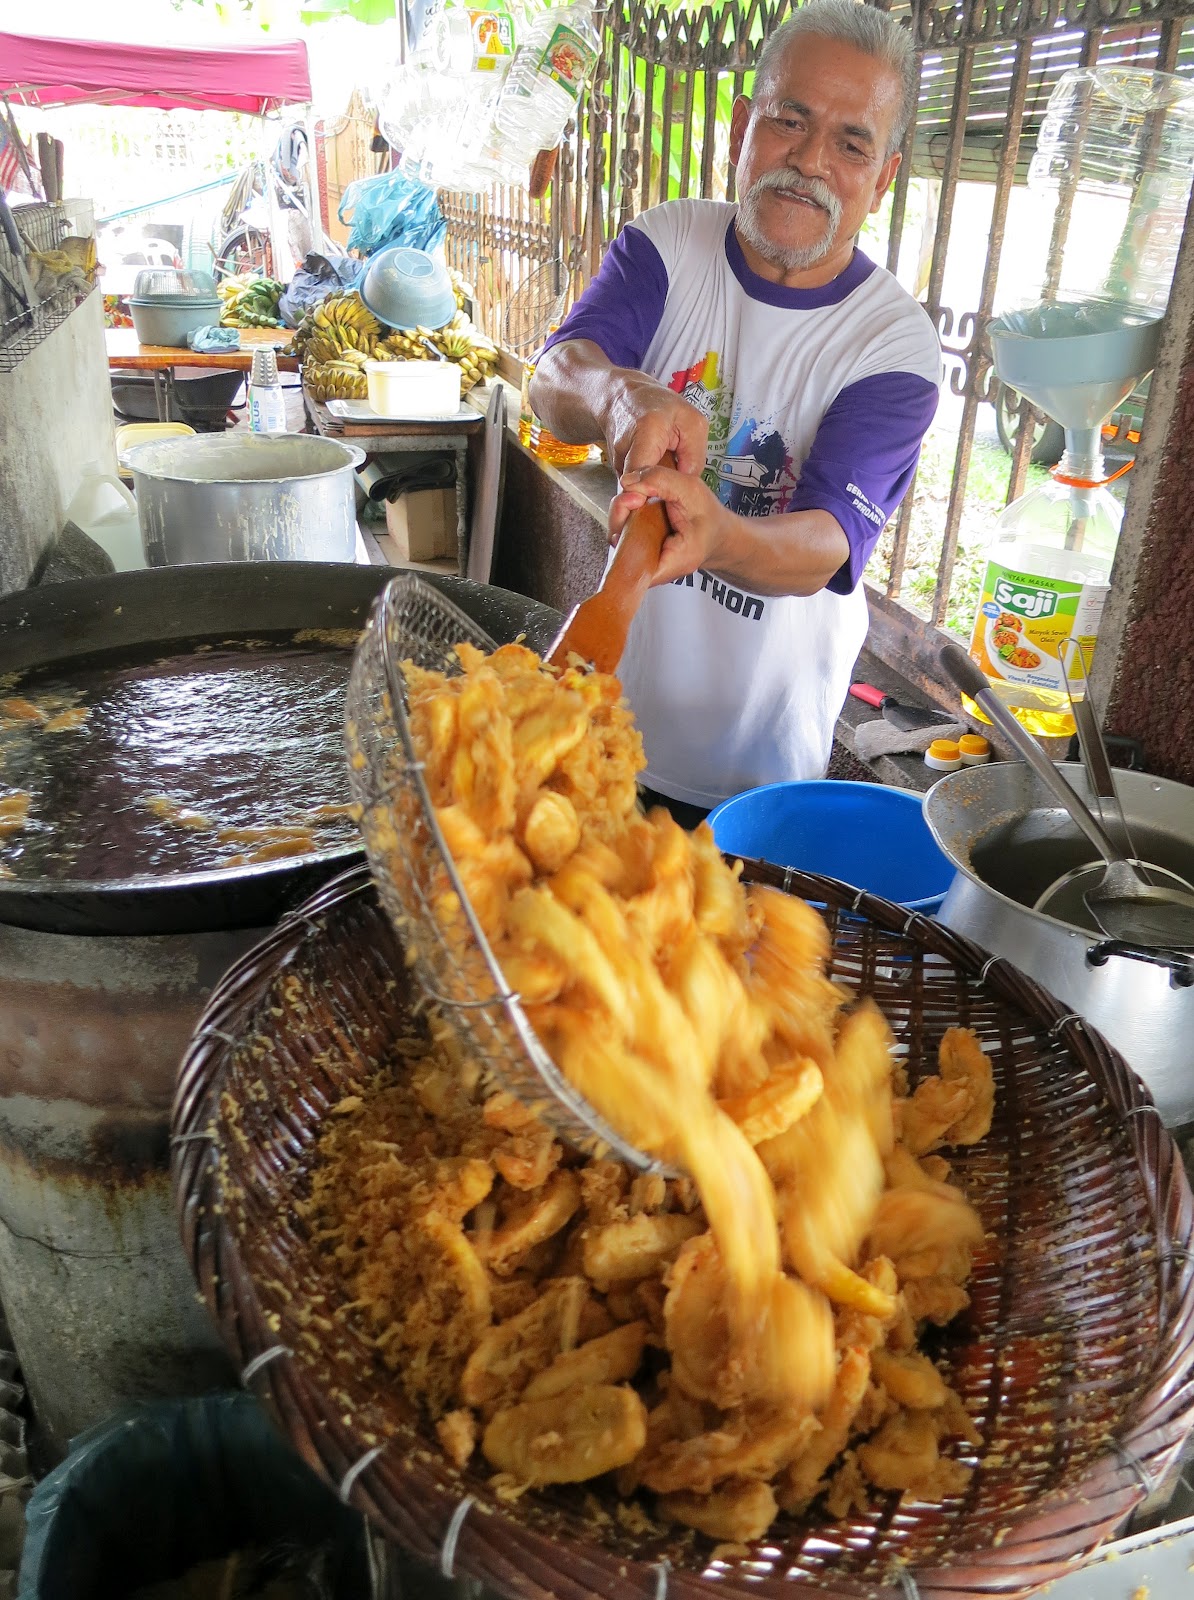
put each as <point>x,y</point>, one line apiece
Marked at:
<point>792,378</point>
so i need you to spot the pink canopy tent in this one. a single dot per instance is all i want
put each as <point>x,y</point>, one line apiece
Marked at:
<point>63,72</point>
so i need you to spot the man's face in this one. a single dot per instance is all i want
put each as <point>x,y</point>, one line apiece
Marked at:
<point>811,152</point>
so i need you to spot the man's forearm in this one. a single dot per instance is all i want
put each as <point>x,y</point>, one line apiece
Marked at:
<point>796,553</point>
<point>572,390</point>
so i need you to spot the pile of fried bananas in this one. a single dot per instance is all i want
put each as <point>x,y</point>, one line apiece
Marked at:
<point>740,1339</point>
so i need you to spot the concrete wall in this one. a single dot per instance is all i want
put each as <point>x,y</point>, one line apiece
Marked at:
<point>1144,664</point>
<point>55,416</point>
<point>552,542</point>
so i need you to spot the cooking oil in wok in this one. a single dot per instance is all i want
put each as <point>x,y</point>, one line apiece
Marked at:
<point>222,753</point>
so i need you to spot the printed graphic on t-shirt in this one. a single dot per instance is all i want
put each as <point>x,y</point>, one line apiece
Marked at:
<point>748,466</point>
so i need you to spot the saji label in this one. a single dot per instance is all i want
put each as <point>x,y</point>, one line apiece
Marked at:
<point>1024,620</point>
<point>567,60</point>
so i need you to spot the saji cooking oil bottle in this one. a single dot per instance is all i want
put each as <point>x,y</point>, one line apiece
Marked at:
<point>1046,579</point>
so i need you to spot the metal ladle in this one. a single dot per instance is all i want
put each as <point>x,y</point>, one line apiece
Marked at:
<point>1122,903</point>
<point>1069,891</point>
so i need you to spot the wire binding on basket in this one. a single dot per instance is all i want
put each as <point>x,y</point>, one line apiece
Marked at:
<point>1064,1022</point>
<point>1142,1109</point>
<point>207,1135</point>
<point>349,1479</point>
<point>215,1033</point>
<point>906,1582</point>
<point>663,1572</point>
<point>986,967</point>
<point>447,1550</point>
<point>413,621</point>
<point>263,1360</point>
<point>1134,1465</point>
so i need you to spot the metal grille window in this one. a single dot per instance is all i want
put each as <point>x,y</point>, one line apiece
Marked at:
<point>959,229</point>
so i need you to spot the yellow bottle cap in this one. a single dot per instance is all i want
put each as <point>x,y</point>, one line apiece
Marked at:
<point>944,750</point>
<point>973,744</point>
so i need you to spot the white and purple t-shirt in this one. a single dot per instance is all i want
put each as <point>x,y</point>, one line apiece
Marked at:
<point>816,398</point>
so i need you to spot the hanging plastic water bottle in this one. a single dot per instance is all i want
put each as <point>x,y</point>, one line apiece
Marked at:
<point>543,85</point>
<point>1120,142</point>
<point>439,107</point>
<point>462,40</point>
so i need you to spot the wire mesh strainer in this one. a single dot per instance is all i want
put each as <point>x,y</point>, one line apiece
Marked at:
<point>417,878</point>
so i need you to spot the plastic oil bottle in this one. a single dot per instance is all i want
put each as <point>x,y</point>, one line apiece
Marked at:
<point>1047,576</point>
<point>540,441</point>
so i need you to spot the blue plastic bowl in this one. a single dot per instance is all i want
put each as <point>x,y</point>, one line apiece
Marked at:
<point>408,289</point>
<point>868,835</point>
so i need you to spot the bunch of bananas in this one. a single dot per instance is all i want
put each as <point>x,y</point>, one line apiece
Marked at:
<point>340,324</point>
<point>462,290</point>
<point>250,301</point>
<point>334,340</point>
<point>342,378</point>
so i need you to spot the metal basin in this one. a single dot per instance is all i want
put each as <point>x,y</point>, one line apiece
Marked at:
<point>1009,841</point>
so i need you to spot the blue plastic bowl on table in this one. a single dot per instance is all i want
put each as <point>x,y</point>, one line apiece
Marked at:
<point>407,288</point>
<point>864,833</point>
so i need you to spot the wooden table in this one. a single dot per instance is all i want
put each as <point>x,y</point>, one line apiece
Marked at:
<point>126,353</point>
<point>398,438</point>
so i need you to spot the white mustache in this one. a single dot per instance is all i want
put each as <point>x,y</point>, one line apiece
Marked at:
<point>814,189</point>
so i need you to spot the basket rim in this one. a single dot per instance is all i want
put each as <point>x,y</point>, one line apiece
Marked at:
<point>1058,1531</point>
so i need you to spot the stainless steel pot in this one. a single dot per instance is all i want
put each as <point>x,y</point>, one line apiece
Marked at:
<point>246,497</point>
<point>1010,840</point>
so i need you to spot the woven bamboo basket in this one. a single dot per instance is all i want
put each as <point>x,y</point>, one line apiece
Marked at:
<point>1074,1357</point>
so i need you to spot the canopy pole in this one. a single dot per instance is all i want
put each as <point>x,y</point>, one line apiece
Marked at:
<point>319,240</point>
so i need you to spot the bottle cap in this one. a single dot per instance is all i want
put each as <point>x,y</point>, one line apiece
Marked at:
<point>943,756</point>
<point>973,749</point>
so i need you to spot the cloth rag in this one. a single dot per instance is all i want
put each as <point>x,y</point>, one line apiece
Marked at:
<point>882,738</point>
<point>387,477</point>
<point>213,339</point>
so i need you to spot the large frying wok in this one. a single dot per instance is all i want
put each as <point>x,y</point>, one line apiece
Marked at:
<point>132,610</point>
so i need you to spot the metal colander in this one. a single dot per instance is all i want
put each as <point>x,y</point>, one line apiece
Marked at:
<point>415,873</point>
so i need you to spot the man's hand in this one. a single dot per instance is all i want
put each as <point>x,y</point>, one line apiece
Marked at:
<point>792,552</point>
<point>703,529</point>
<point>582,397</point>
<point>644,420</point>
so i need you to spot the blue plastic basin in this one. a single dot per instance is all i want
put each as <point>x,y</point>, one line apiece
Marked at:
<point>868,835</point>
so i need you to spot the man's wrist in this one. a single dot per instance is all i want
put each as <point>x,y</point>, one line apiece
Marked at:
<point>732,542</point>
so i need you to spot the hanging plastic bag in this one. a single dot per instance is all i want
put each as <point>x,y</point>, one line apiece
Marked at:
<point>391,208</point>
<point>318,277</point>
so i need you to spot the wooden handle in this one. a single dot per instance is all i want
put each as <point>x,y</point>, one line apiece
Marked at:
<point>597,630</point>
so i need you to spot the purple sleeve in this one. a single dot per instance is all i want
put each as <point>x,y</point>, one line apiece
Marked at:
<point>621,308</point>
<point>862,461</point>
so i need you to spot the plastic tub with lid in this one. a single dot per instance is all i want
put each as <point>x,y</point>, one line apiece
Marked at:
<point>413,388</point>
<point>167,303</point>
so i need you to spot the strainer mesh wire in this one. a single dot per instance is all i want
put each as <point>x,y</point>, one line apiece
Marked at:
<point>417,878</point>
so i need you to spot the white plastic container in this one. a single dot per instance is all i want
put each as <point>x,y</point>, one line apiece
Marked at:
<point>413,389</point>
<point>105,510</point>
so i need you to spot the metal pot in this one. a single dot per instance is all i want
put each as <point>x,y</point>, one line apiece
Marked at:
<point>1010,840</point>
<point>246,497</point>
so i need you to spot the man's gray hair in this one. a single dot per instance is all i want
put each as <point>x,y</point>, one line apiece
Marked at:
<point>865,27</point>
